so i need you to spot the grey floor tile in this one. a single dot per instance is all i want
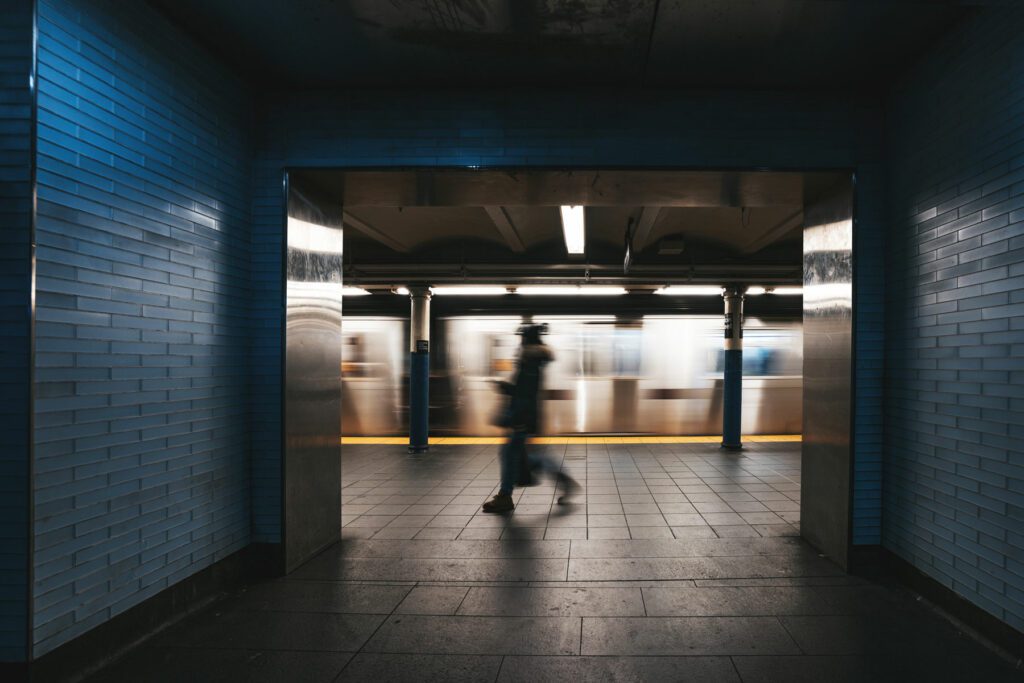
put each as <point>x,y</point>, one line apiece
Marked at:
<point>523,533</point>
<point>438,533</point>
<point>768,530</point>
<point>662,568</point>
<point>568,532</point>
<point>601,669</point>
<point>766,600</point>
<point>477,635</point>
<point>240,629</point>
<point>686,635</point>
<point>691,548</point>
<point>317,596</point>
<point>449,549</point>
<point>733,531</point>
<point>646,520</point>
<point>606,520</point>
<point>399,668</point>
<point>439,569</point>
<point>397,533</point>
<point>438,600</point>
<point>650,532</point>
<point>560,602</point>
<point>604,508</point>
<point>480,533</point>
<point>723,518</point>
<point>702,531</point>
<point>172,665</point>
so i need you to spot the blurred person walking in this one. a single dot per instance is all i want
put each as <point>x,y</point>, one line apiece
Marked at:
<point>522,418</point>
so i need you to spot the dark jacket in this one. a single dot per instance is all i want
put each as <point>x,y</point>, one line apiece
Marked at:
<point>524,391</point>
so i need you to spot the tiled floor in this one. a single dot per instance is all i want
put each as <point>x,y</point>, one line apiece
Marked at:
<point>628,491</point>
<point>543,595</point>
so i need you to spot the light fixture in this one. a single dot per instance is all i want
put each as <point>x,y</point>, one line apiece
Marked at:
<point>570,290</point>
<point>690,290</point>
<point>468,290</point>
<point>573,228</point>
<point>353,291</point>
<point>402,291</point>
<point>756,290</point>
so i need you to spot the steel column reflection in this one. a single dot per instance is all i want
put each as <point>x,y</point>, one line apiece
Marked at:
<point>828,364</point>
<point>312,410</point>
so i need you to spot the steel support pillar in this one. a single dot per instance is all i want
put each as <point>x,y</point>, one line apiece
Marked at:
<point>732,384</point>
<point>419,369</point>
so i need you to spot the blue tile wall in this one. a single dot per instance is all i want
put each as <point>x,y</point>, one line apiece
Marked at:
<point>954,437</point>
<point>546,128</point>
<point>16,17</point>
<point>143,288</point>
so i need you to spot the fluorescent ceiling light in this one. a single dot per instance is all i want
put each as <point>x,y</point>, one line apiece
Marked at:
<point>756,290</point>
<point>691,290</point>
<point>573,228</point>
<point>402,291</point>
<point>464,290</point>
<point>570,290</point>
<point>353,291</point>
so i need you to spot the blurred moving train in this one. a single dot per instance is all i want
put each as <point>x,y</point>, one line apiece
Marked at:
<point>655,374</point>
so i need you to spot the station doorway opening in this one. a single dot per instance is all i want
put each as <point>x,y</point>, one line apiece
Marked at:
<point>398,328</point>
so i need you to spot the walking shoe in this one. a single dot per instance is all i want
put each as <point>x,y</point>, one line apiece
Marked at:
<point>568,484</point>
<point>500,503</point>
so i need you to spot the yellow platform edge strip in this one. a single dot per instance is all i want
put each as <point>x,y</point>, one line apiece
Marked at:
<point>565,440</point>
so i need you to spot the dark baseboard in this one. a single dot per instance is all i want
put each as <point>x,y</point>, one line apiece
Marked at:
<point>13,671</point>
<point>94,649</point>
<point>999,632</point>
<point>866,560</point>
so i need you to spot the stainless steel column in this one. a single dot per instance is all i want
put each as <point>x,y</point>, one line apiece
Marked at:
<point>732,377</point>
<point>419,369</point>
<point>826,498</point>
<point>311,505</point>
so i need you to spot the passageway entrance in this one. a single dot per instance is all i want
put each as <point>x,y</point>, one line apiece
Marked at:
<point>644,371</point>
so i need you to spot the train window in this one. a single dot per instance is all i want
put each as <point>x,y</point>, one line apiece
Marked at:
<point>501,355</point>
<point>766,352</point>
<point>627,346</point>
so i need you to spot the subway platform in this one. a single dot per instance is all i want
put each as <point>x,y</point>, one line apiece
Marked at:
<point>676,561</point>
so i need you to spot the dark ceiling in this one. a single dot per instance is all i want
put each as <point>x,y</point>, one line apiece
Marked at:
<point>653,43</point>
<point>486,225</point>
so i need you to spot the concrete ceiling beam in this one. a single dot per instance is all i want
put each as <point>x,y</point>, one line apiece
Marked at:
<point>772,234</point>
<point>503,222</point>
<point>350,221</point>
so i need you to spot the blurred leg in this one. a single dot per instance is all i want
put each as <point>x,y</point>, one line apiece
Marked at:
<point>511,453</point>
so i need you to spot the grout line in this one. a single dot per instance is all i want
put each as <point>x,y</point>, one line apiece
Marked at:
<point>464,596</point>
<point>376,630</point>
<point>732,660</point>
<point>783,625</point>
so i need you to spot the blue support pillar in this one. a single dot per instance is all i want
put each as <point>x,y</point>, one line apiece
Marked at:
<point>732,394</point>
<point>419,370</point>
